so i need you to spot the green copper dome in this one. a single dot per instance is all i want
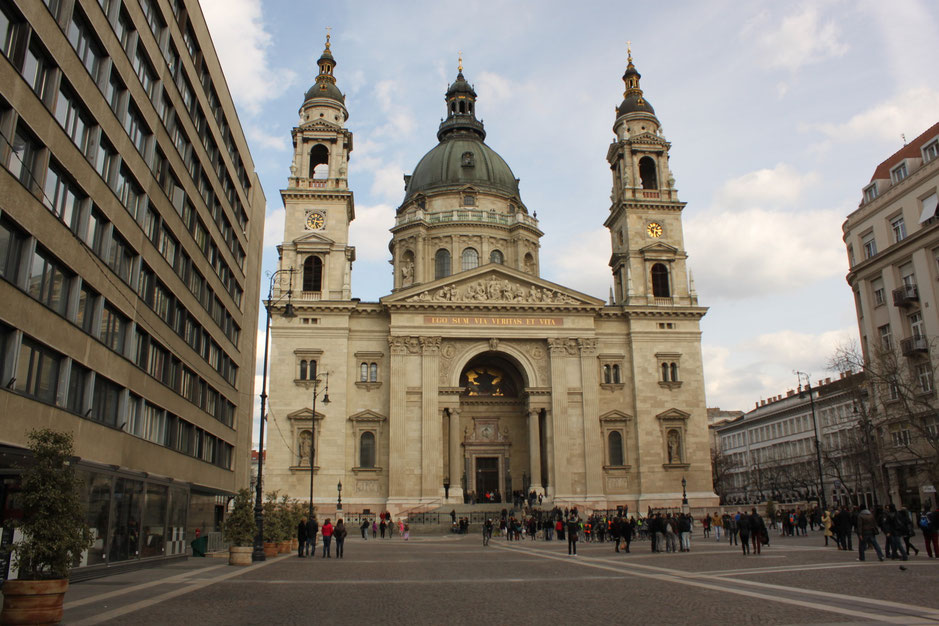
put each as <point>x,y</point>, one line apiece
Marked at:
<point>462,157</point>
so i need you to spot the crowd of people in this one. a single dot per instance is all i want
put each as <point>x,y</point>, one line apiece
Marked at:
<point>898,527</point>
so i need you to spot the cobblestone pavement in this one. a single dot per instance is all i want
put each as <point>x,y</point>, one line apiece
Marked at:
<point>455,580</point>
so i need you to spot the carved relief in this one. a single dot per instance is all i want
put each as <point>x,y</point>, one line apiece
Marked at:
<point>430,345</point>
<point>397,344</point>
<point>493,344</point>
<point>588,345</point>
<point>366,486</point>
<point>494,290</point>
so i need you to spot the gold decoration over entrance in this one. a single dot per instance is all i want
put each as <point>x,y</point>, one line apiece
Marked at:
<point>487,381</point>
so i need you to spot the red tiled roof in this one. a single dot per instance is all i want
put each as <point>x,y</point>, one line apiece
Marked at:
<point>910,150</point>
<point>254,455</point>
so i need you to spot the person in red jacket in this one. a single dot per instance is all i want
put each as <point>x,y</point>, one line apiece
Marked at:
<point>327,531</point>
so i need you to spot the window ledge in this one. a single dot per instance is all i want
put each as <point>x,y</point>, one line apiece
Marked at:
<point>671,384</point>
<point>609,468</point>
<point>303,468</point>
<point>672,466</point>
<point>612,386</point>
<point>302,382</point>
<point>368,386</point>
<point>367,470</point>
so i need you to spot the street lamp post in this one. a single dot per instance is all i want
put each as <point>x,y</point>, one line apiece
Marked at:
<point>339,491</point>
<point>684,495</point>
<point>818,446</point>
<point>316,381</point>
<point>258,553</point>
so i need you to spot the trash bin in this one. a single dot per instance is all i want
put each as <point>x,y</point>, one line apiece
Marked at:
<point>200,546</point>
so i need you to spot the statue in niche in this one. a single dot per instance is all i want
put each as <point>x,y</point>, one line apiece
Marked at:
<point>674,447</point>
<point>407,272</point>
<point>306,447</point>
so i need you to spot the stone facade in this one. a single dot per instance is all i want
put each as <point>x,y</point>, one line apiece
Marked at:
<point>475,374</point>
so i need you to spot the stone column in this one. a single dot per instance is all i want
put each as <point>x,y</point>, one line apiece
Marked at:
<point>421,272</point>
<point>456,456</point>
<point>560,468</point>
<point>534,446</point>
<point>431,426</point>
<point>397,417</point>
<point>593,444</point>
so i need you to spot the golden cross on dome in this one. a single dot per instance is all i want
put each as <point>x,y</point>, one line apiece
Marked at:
<point>629,51</point>
<point>328,28</point>
<point>460,66</point>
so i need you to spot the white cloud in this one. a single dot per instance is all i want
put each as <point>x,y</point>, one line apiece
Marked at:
<point>242,43</point>
<point>496,88</point>
<point>369,232</point>
<point>274,227</point>
<point>582,263</point>
<point>399,120</point>
<point>780,186</point>
<point>388,183</point>
<point>265,139</point>
<point>797,40</point>
<point>910,113</point>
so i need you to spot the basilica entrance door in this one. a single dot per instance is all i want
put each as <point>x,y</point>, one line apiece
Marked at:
<point>487,475</point>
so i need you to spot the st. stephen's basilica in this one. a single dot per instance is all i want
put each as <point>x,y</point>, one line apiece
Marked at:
<point>475,375</point>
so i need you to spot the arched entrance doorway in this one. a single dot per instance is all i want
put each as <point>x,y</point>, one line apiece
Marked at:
<point>493,422</point>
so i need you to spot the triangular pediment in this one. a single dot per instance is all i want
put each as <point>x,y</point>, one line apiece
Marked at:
<point>367,416</point>
<point>304,414</point>
<point>649,138</point>
<point>492,284</point>
<point>615,416</point>
<point>315,239</point>
<point>659,247</point>
<point>672,415</point>
<point>319,123</point>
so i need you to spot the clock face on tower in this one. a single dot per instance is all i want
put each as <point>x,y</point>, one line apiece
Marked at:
<point>315,220</point>
<point>654,229</point>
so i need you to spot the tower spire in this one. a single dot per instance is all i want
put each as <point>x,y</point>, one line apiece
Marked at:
<point>460,65</point>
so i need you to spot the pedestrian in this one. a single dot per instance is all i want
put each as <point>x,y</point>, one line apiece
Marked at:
<point>929,524</point>
<point>487,531</point>
<point>671,534</point>
<point>757,531</point>
<point>382,527</point>
<point>743,531</point>
<point>301,537</point>
<point>327,538</point>
<point>572,530</point>
<point>909,529</point>
<point>312,527</point>
<point>339,534</point>
<point>374,529</point>
<point>826,524</point>
<point>406,530</point>
<point>716,525</point>
<point>867,531</point>
<point>706,524</point>
<point>894,531</point>
<point>364,529</point>
<point>684,531</point>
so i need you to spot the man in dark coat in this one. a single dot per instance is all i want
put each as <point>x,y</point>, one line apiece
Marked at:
<point>572,530</point>
<point>312,527</point>
<point>301,537</point>
<point>867,531</point>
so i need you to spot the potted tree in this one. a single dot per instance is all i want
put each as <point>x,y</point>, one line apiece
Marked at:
<point>284,529</point>
<point>271,524</point>
<point>54,532</point>
<point>240,529</point>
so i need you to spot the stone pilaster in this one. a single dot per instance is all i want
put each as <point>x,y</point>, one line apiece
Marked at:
<point>560,467</point>
<point>593,444</point>
<point>397,418</point>
<point>534,446</point>
<point>431,426</point>
<point>456,455</point>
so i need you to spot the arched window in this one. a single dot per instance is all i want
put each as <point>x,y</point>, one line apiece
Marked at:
<point>367,449</point>
<point>363,372</point>
<point>312,273</point>
<point>647,173</point>
<point>469,200</point>
<point>660,281</point>
<point>665,372</point>
<point>319,161</point>
<point>674,368</point>
<point>302,370</point>
<point>453,106</point>
<point>529,263</point>
<point>496,257</point>
<point>462,106</point>
<point>311,373</point>
<point>615,441</point>
<point>470,259</point>
<point>616,377</point>
<point>606,374</point>
<point>442,263</point>
<point>373,373</point>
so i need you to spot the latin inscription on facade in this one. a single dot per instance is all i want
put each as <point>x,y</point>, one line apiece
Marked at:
<point>474,320</point>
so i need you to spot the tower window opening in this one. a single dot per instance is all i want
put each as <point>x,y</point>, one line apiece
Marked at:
<point>453,107</point>
<point>665,372</point>
<point>674,370</point>
<point>313,273</point>
<point>660,281</point>
<point>616,375</point>
<point>462,107</point>
<point>319,162</point>
<point>606,375</point>
<point>647,173</point>
<point>470,259</point>
<point>496,257</point>
<point>442,264</point>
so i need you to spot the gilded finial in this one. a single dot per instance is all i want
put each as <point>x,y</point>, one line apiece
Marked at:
<point>460,65</point>
<point>328,28</point>
<point>629,51</point>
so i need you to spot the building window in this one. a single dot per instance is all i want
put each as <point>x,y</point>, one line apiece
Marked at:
<point>898,173</point>
<point>899,229</point>
<point>24,155</point>
<point>73,118</point>
<point>870,246</point>
<point>307,369</point>
<point>38,70</point>
<point>367,449</point>
<point>105,402</point>
<point>319,162</point>
<point>37,371</point>
<point>49,281</point>
<point>615,445</point>
<point>870,192</point>
<point>607,376</point>
<point>616,375</point>
<point>660,287</point>
<point>469,199</point>
<point>11,250</point>
<point>924,377</point>
<point>886,339</point>
<point>312,273</point>
<point>86,46</point>
<point>496,257</point>
<point>916,324</point>
<point>113,328</point>
<point>931,151</point>
<point>880,296</point>
<point>470,259</point>
<point>441,264</point>
<point>674,370</point>
<point>77,382</point>
<point>647,173</point>
<point>62,196</point>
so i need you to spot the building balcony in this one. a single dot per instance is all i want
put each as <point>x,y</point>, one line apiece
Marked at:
<point>914,345</point>
<point>468,215</point>
<point>905,296</point>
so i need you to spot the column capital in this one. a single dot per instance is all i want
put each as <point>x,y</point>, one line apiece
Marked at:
<point>588,345</point>
<point>562,345</point>
<point>430,345</point>
<point>400,344</point>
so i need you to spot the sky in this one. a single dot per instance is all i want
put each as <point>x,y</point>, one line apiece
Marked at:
<point>777,112</point>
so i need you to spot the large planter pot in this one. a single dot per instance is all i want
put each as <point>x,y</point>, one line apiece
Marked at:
<point>283,547</point>
<point>238,555</point>
<point>33,601</point>
<point>294,544</point>
<point>270,549</point>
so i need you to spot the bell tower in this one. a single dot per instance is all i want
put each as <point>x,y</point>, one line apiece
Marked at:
<point>648,259</point>
<point>318,203</point>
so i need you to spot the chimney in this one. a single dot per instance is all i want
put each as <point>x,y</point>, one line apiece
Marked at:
<point>828,381</point>
<point>790,393</point>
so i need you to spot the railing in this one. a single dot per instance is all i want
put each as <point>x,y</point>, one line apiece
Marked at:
<point>905,295</point>
<point>913,345</point>
<point>314,183</point>
<point>650,194</point>
<point>663,301</point>
<point>468,215</point>
<point>216,544</point>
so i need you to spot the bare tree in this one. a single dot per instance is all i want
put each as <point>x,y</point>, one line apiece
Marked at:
<point>723,467</point>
